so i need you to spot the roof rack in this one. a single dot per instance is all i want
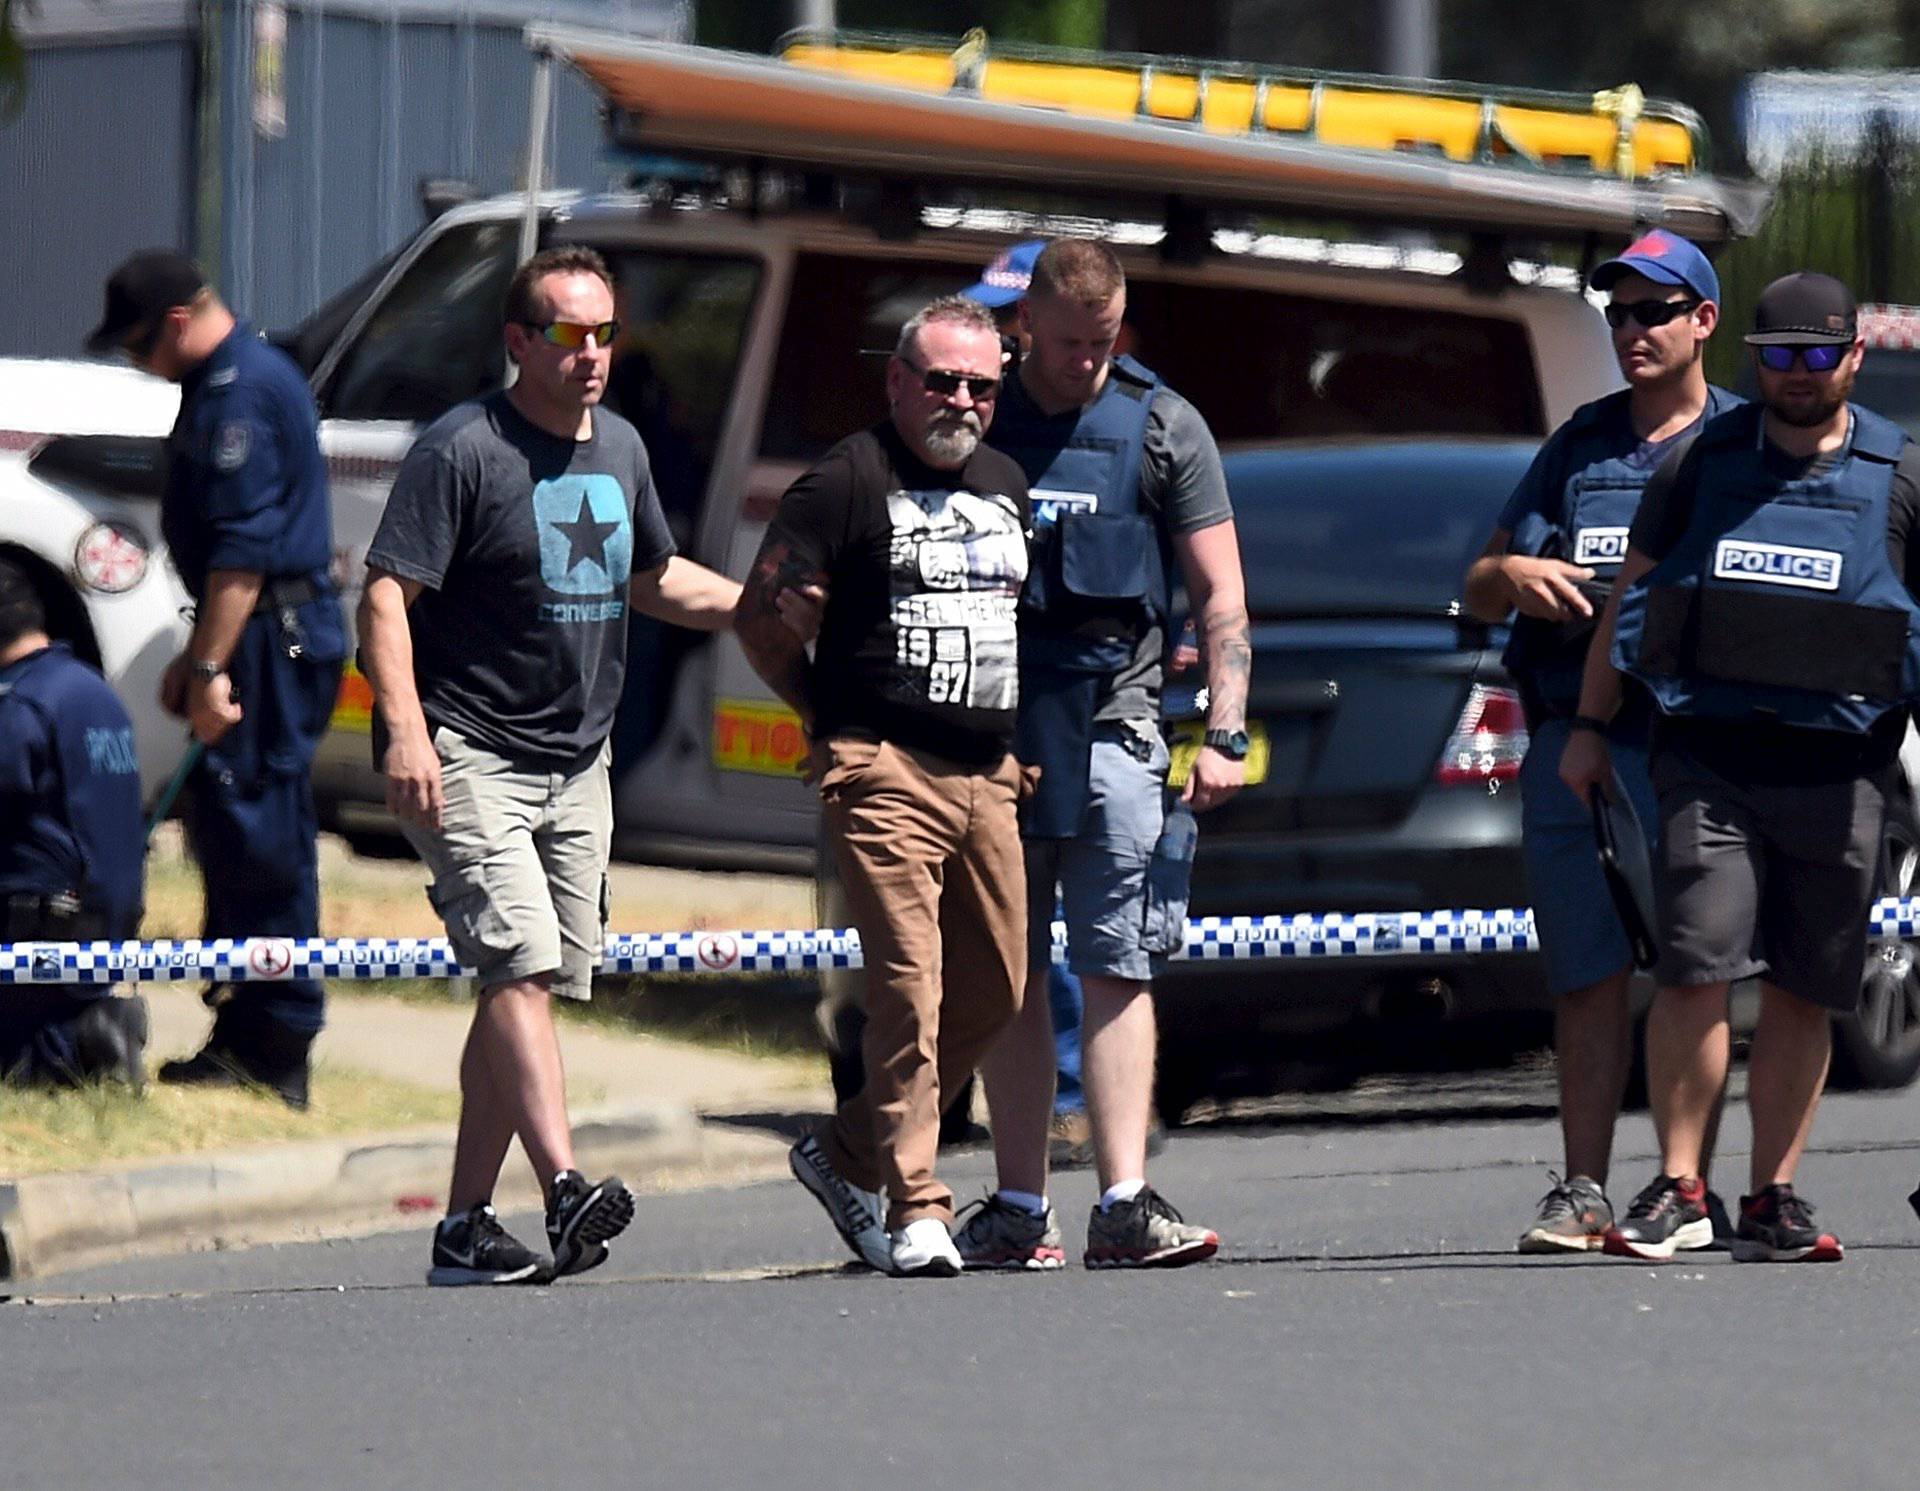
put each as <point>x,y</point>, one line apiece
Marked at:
<point>1618,132</point>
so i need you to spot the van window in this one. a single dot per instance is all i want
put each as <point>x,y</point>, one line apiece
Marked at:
<point>843,316</point>
<point>683,322</point>
<point>435,339</point>
<point>1260,365</point>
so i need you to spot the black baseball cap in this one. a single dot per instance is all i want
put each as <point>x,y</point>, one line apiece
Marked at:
<point>1804,309</point>
<point>141,290</point>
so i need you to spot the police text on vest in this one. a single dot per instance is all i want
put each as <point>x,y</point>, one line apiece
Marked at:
<point>1776,564</point>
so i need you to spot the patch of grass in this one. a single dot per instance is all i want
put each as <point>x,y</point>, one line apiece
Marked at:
<point>764,1015</point>
<point>106,1123</point>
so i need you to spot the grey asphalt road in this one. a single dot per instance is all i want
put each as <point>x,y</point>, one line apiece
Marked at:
<point>1366,1326</point>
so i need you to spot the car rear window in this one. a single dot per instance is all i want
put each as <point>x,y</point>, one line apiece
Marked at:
<point>1385,529</point>
<point>1260,365</point>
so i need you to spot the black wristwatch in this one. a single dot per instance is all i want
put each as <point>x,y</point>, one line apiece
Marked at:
<point>1589,722</point>
<point>205,671</point>
<point>1230,743</point>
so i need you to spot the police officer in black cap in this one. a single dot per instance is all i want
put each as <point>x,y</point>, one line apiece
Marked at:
<point>1767,603</point>
<point>246,519</point>
<point>70,845</point>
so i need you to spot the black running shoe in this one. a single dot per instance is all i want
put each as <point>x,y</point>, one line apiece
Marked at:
<point>1669,1216</point>
<point>476,1249</point>
<point>1777,1227</point>
<point>582,1219</point>
<point>1145,1232</point>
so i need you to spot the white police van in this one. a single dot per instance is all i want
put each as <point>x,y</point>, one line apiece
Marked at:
<point>790,214</point>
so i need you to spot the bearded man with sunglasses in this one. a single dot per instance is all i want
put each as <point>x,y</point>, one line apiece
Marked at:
<point>493,630</point>
<point>1555,549</point>
<point>1767,603</point>
<point>918,533</point>
<point>247,524</point>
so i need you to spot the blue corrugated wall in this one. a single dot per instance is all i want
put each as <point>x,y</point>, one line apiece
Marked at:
<point>118,139</point>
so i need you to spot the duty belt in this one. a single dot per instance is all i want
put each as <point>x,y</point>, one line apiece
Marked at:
<point>285,595</point>
<point>54,916</point>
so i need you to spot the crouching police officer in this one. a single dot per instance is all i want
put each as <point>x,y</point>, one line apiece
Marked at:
<point>1767,603</point>
<point>245,516</point>
<point>70,850</point>
<point>1554,552</point>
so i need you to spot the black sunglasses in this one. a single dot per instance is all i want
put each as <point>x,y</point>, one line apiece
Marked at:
<point>1649,313</point>
<point>979,389</point>
<point>1819,358</point>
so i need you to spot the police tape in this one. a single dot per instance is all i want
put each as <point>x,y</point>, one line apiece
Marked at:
<point>1372,934</point>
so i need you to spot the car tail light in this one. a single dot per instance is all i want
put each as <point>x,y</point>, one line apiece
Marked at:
<point>1489,742</point>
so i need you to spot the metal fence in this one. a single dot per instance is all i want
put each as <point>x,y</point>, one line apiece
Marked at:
<point>283,142</point>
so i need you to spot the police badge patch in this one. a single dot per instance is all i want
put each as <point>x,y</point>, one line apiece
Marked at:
<point>230,445</point>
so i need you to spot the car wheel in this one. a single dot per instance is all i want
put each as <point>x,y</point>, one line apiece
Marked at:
<point>1878,1045</point>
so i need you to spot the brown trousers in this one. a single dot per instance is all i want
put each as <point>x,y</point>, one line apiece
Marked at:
<point>929,857</point>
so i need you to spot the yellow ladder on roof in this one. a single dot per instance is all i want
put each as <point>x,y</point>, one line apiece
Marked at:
<point>1616,133</point>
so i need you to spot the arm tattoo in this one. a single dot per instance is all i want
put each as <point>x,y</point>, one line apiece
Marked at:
<point>1229,657</point>
<point>775,652</point>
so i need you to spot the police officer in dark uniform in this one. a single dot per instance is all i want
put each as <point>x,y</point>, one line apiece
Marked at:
<point>1767,603</point>
<point>1553,554</point>
<point>70,846</point>
<point>1128,497</point>
<point>246,518</point>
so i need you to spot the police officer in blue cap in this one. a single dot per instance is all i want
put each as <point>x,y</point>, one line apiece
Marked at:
<point>1554,552</point>
<point>70,845</point>
<point>246,519</point>
<point>1767,602</point>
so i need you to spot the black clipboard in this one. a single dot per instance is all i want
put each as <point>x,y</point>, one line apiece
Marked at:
<point>1628,868</point>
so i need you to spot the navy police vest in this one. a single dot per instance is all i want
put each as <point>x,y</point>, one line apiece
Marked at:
<point>1097,581</point>
<point>1779,600</point>
<point>1598,502</point>
<point>1100,564</point>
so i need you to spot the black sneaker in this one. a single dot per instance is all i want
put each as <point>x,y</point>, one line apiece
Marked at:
<point>1145,1232</point>
<point>582,1219</point>
<point>476,1249</point>
<point>112,1036</point>
<point>1669,1216</point>
<point>248,1052</point>
<point>1777,1227</point>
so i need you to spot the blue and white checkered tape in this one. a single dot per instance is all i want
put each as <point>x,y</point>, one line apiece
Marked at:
<point>1366,934</point>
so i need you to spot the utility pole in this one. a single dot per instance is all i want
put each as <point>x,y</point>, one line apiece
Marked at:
<point>1410,38</point>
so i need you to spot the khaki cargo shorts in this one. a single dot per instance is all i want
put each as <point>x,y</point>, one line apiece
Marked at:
<point>519,865</point>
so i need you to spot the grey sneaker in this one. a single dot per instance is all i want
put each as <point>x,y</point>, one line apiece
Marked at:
<point>1573,1218</point>
<point>997,1234</point>
<point>1146,1232</point>
<point>860,1217</point>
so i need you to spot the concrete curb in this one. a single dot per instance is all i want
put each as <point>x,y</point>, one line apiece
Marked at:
<point>320,1187</point>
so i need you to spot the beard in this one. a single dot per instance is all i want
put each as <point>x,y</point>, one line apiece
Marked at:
<point>952,442</point>
<point>1825,403</point>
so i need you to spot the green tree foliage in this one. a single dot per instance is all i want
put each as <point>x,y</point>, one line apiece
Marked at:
<point>754,25</point>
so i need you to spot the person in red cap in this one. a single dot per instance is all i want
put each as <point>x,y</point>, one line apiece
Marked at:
<point>1767,602</point>
<point>1555,549</point>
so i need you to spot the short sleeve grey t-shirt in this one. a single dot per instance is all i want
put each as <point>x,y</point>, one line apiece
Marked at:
<point>1181,481</point>
<point>525,543</point>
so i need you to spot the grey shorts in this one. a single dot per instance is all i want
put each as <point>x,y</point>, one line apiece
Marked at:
<point>1763,879</point>
<point>1123,880</point>
<point>519,865</point>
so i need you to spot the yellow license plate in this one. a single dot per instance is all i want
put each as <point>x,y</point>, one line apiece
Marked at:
<point>1186,747</point>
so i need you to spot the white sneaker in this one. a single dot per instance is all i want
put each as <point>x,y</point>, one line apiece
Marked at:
<point>858,1216</point>
<point>925,1249</point>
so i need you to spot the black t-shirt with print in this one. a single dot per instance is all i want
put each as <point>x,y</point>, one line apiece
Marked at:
<point>924,569</point>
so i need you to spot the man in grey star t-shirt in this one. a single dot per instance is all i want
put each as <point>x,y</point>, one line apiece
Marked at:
<point>493,630</point>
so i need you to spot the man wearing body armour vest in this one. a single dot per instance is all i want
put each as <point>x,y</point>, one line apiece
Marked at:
<point>1767,603</point>
<point>1126,486</point>
<point>1554,552</point>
